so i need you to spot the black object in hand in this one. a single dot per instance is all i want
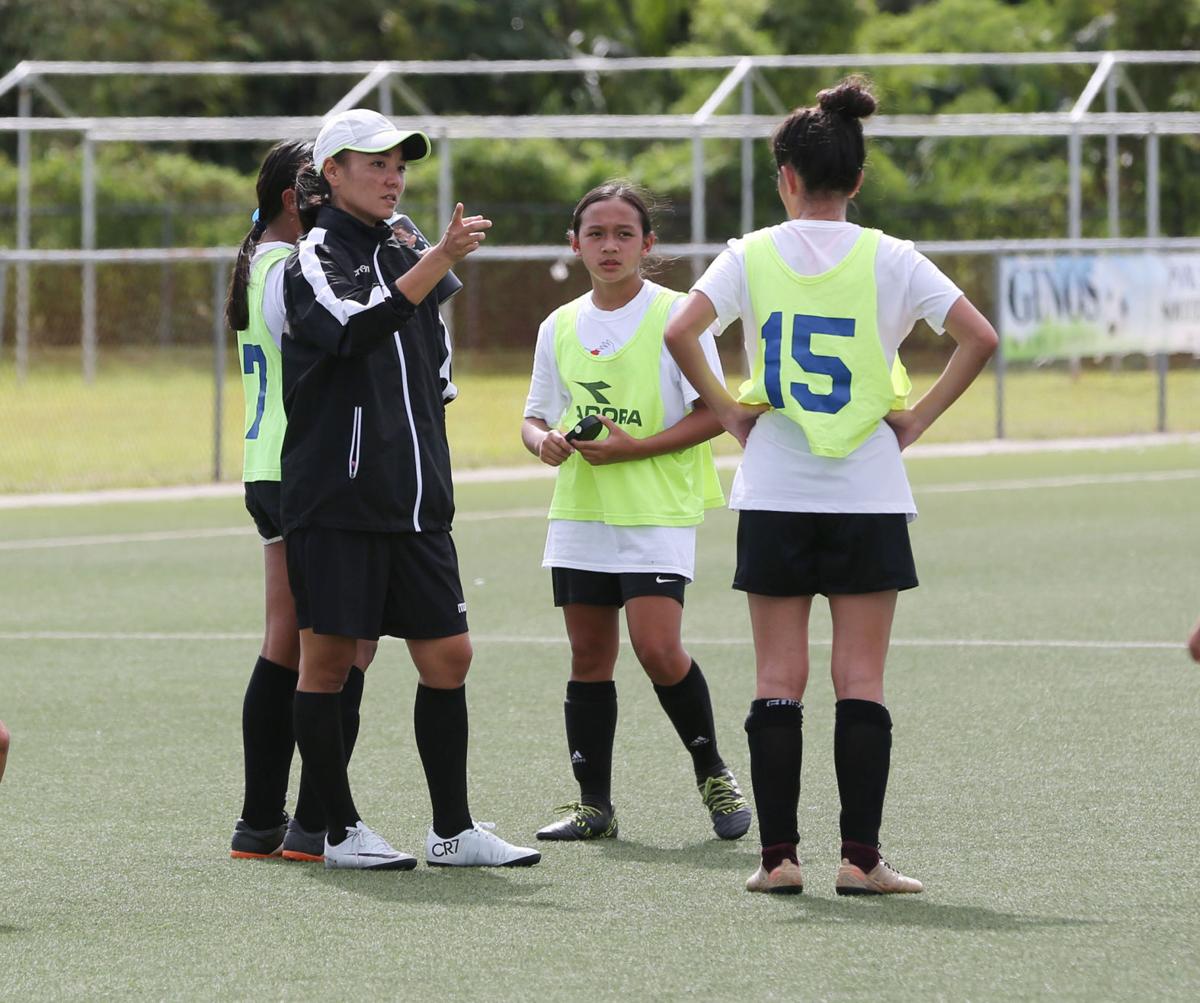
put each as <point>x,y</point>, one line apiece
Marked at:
<point>586,430</point>
<point>407,233</point>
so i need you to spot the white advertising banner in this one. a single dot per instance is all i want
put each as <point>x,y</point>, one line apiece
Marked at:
<point>1061,307</point>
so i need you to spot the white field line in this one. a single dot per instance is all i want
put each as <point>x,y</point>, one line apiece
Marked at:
<point>911,642</point>
<point>1032,483</point>
<point>535,471</point>
<point>166,535</point>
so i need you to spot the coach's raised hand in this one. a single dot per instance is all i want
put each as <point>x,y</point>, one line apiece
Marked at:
<point>462,236</point>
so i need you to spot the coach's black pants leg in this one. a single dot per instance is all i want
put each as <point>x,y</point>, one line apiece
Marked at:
<point>440,726</point>
<point>689,707</point>
<point>862,753</point>
<point>774,730</point>
<point>267,742</point>
<point>318,723</point>
<point>590,711</point>
<point>310,815</point>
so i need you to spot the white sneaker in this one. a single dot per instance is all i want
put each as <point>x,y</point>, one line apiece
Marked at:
<point>363,849</point>
<point>476,847</point>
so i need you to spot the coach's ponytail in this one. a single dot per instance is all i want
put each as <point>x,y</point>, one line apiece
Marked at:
<point>277,175</point>
<point>824,144</point>
<point>313,190</point>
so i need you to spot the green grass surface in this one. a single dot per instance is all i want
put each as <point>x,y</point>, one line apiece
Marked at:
<point>148,419</point>
<point>1045,793</point>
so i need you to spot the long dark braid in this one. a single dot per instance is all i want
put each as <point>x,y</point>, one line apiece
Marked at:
<point>277,174</point>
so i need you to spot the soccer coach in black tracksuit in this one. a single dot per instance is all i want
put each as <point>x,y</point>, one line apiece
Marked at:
<point>366,493</point>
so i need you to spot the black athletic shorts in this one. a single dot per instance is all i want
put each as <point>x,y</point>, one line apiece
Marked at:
<point>831,553</point>
<point>606,588</point>
<point>262,502</point>
<point>367,584</point>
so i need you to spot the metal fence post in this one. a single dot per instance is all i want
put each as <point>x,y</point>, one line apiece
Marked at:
<point>1152,230</point>
<point>24,157</point>
<point>748,156</point>
<point>218,303</point>
<point>999,361</point>
<point>88,306</point>
<point>1113,159</point>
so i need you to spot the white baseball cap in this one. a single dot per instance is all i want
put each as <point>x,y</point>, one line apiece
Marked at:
<point>366,131</point>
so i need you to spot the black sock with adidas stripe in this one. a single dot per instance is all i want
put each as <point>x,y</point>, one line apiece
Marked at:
<point>590,711</point>
<point>689,707</point>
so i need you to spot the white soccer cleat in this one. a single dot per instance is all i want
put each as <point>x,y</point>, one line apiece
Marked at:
<point>365,850</point>
<point>786,879</point>
<point>882,879</point>
<point>476,847</point>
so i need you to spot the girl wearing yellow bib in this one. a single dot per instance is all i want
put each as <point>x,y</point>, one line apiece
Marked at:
<point>822,493</point>
<point>625,507</point>
<point>255,310</point>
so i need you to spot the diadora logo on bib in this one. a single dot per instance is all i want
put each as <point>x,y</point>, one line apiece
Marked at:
<point>595,388</point>
<point>621,415</point>
<point>444,848</point>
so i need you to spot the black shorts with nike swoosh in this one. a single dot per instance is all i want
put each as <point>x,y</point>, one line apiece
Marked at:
<point>608,588</point>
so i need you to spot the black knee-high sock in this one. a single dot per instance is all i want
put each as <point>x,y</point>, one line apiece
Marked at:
<point>267,742</point>
<point>862,753</point>
<point>318,723</point>
<point>310,816</point>
<point>689,707</point>
<point>774,729</point>
<point>440,726</point>
<point>590,711</point>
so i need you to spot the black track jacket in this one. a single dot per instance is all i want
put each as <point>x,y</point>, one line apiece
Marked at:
<point>365,378</point>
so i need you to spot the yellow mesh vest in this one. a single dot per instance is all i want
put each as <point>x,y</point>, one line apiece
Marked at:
<point>819,358</point>
<point>262,380</point>
<point>669,490</point>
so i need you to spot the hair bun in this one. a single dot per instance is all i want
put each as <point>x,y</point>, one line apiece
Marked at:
<point>851,98</point>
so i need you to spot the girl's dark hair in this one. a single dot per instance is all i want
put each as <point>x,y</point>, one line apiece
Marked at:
<point>616,189</point>
<point>277,175</point>
<point>824,143</point>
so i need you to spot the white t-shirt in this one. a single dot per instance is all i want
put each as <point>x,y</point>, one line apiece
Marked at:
<point>596,546</point>
<point>274,314</point>
<point>778,472</point>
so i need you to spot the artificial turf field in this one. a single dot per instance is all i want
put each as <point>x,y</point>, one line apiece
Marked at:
<point>1044,780</point>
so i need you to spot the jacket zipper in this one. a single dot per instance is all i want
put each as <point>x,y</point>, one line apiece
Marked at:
<point>412,428</point>
<point>355,442</point>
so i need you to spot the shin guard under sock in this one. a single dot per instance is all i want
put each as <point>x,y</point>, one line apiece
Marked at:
<point>318,723</point>
<point>310,816</point>
<point>267,742</point>
<point>689,707</point>
<point>440,727</point>
<point>862,751</point>
<point>590,711</point>
<point>774,730</point>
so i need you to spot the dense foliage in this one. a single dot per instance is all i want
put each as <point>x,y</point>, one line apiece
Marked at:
<point>200,193</point>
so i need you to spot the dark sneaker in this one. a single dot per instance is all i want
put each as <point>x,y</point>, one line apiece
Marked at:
<point>300,844</point>
<point>727,806</point>
<point>583,821</point>
<point>256,844</point>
